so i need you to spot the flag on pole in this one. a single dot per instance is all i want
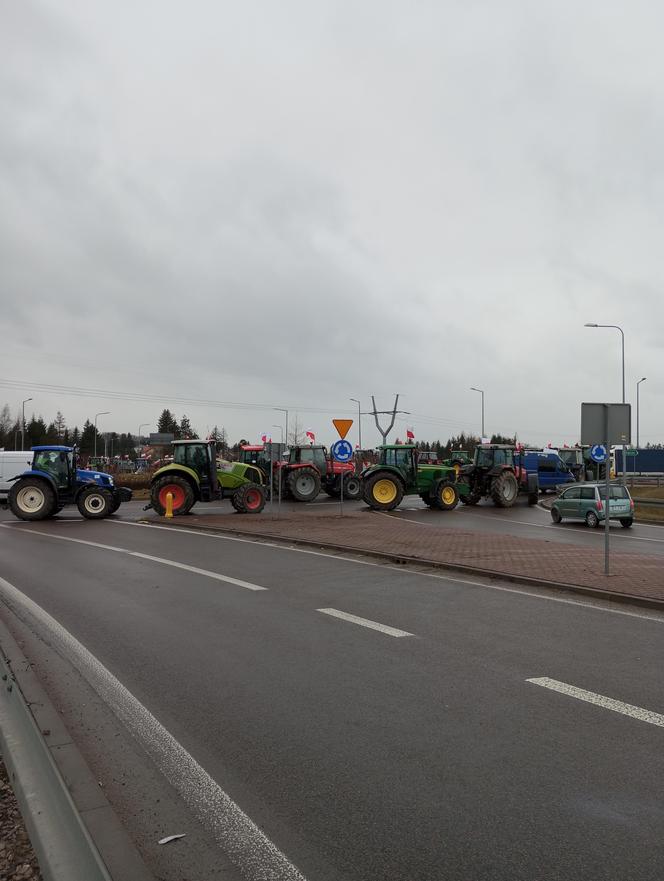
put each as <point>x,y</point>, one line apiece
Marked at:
<point>410,434</point>
<point>311,436</point>
<point>265,438</point>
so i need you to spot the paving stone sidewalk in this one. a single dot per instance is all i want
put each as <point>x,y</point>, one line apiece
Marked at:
<point>635,575</point>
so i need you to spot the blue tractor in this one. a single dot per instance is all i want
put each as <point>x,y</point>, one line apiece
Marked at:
<point>54,481</point>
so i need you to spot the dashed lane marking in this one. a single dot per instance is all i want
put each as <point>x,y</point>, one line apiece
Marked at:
<point>599,700</point>
<point>365,622</point>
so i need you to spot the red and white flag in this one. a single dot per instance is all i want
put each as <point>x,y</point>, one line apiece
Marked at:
<point>265,438</point>
<point>311,436</point>
<point>410,434</point>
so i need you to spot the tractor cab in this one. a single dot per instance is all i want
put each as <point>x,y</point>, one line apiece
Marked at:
<point>401,456</point>
<point>201,457</point>
<point>311,455</point>
<point>58,463</point>
<point>494,457</point>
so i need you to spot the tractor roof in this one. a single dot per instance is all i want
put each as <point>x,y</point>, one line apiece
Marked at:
<point>193,442</point>
<point>52,448</point>
<point>496,446</point>
<point>253,447</point>
<point>397,447</point>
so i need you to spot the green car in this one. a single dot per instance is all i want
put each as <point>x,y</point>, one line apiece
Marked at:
<point>587,501</point>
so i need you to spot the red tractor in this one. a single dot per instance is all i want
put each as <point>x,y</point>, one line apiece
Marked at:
<point>309,469</point>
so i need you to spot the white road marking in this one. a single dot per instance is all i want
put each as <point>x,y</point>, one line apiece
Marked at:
<point>365,622</point>
<point>246,845</point>
<point>599,700</point>
<point>216,576</point>
<point>655,617</point>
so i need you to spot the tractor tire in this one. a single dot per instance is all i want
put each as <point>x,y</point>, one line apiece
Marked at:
<point>533,489</point>
<point>115,504</point>
<point>332,488</point>
<point>352,487</point>
<point>248,499</point>
<point>504,490</point>
<point>183,495</point>
<point>473,497</point>
<point>32,499</point>
<point>94,502</point>
<point>444,495</point>
<point>383,491</point>
<point>304,484</point>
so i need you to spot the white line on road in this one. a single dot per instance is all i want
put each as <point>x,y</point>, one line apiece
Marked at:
<point>655,617</point>
<point>365,622</point>
<point>599,700</point>
<point>94,544</point>
<point>247,846</point>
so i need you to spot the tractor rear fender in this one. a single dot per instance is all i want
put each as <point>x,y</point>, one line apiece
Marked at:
<point>43,475</point>
<point>387,470</point>
<point>178,471</point>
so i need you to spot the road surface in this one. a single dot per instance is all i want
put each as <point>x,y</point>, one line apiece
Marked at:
<point>373,722</point>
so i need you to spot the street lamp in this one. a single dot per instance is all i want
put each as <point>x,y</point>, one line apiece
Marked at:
<point>103,413</point>
<point>142,425</point>
<point>23,424</point>
<point>473,389</point>
<point>359,421</point>
<point>637,410</point>
<point>281,429</point>
<point>622,338</point>
<point>282,410</point>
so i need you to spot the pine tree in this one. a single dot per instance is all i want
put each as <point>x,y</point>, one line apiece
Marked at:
<point>186,432</point>
<point>6,439</point>
<point>60,425</point>
<point>167,423</point>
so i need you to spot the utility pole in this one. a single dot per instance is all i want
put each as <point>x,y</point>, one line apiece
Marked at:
<point>393,413</point>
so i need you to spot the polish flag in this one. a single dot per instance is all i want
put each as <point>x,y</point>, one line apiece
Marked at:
<point>311,436</point>
<point>410,434</point>
<point>266,439</point>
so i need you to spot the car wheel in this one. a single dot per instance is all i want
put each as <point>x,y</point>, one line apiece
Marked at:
<point>555,515</point>
<point>592,520</point>
<point>626,522</point>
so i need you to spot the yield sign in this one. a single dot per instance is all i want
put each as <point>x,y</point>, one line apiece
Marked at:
<point>342,426</point>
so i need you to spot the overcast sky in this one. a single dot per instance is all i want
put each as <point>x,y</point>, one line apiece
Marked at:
<point>291,204</point>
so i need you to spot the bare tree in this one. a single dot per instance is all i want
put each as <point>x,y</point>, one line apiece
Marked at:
<point>296,434</point>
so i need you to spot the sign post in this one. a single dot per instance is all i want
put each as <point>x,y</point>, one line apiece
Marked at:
<point>342,451</point>
<point>601,426</point>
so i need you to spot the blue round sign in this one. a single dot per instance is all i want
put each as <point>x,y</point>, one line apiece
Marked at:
<point>342,451</point>
<point>598,453</point>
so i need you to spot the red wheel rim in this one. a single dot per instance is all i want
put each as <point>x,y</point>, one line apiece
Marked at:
<point>253,500</point>
<point>178,495</point>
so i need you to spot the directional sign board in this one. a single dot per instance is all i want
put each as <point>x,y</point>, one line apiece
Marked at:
<point>598,453</point>
<point>594,427</point>
<point>342,426</point>
<point>342,451</point>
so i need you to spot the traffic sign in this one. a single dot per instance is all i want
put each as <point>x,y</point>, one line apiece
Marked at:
<point>598,453</point>
<point>632,452</point>
<point>342,451</point>
<point>342,426</point>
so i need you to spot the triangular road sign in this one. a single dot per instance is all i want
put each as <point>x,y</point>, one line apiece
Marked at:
<point>342,426</point>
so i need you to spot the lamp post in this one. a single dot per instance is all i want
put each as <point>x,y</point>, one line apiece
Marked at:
<point>138,439</point>
<point>283,410</point>
<point>103,413</point>
<point>637,410</point>
<point>359,421</point>
<point>281,429</point>
<point>473,389</point>
<point>622,340</point>
<point>23,424</point>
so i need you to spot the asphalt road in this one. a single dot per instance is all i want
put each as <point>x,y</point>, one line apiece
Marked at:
<point>374,722</point>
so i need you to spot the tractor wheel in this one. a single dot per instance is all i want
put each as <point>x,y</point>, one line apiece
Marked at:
<point>473,497</point>
<point>115,504</point>
<point>504,490</point>
<point>332,487</point>
<point>304,484</point>
<point>248,499</point>
<point>383,491</point>
<point>183,495</point>
<point>94,502</point>
<point>32,499</point>
<point>352,487</point>
<point>445,495</point>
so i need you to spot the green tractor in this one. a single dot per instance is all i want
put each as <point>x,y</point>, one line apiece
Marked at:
<point>398,474</point>
<point>495,474</point>
<point>195,475</point>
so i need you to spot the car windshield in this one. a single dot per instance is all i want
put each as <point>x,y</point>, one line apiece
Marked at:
<point>617,492</point>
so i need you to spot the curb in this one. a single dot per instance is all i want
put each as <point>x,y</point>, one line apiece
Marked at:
<point>73,829</point>
<point>462,568</point>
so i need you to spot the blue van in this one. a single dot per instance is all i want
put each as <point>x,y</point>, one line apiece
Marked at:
<point>550,469</point>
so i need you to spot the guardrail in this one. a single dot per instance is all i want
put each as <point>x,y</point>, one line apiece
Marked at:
<point>654,502</point>
<point>64,848</point>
